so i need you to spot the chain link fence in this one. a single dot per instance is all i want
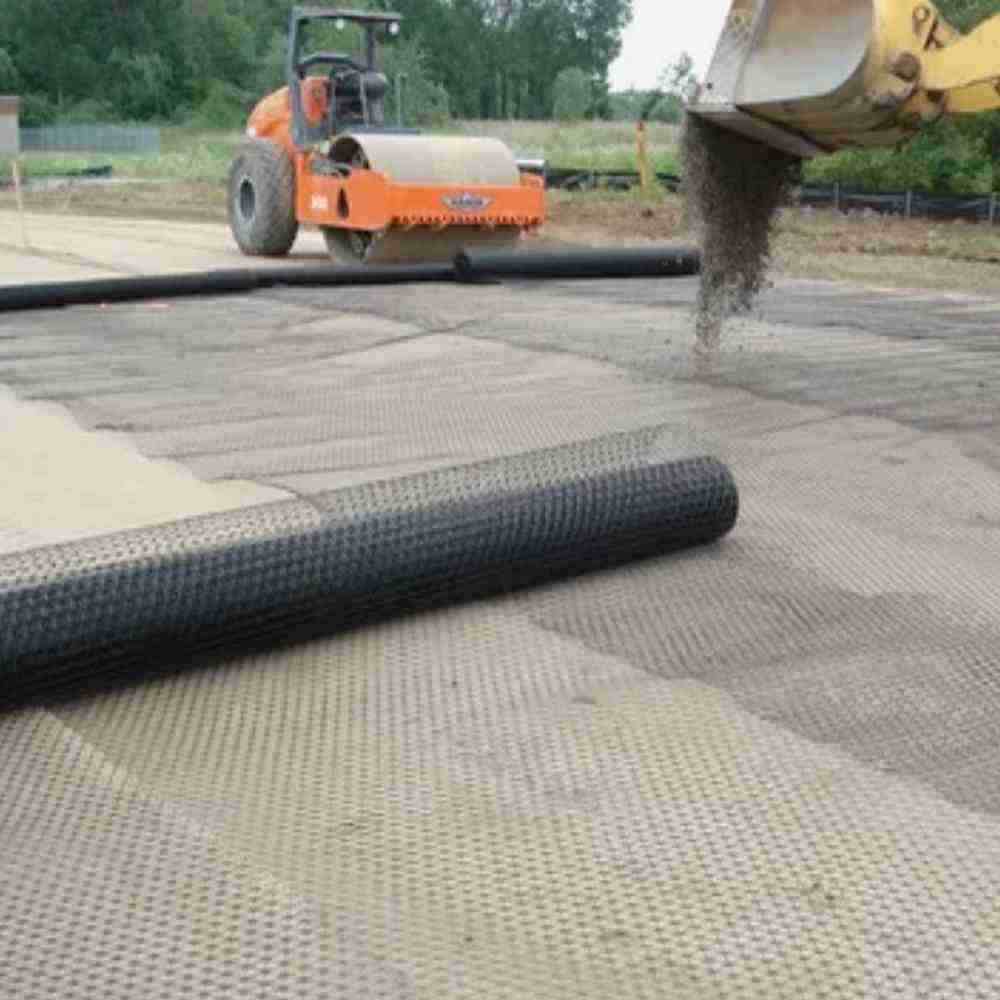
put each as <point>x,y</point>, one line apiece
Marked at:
<point>906,204</point>
<point>138,139</point>
<point>983,208</point>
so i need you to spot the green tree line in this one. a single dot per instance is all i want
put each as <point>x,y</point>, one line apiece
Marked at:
<point>167,60</point>
<point>208,61</point>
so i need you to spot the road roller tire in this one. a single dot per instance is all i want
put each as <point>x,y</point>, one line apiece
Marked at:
<point>262,199</point>
<point>348,246</point>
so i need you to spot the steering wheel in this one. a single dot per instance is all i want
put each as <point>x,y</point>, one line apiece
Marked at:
<point>330,58</point>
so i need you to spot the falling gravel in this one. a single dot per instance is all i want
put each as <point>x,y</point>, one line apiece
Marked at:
<point>734,188</point>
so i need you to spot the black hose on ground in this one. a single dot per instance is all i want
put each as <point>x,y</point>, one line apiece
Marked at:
<point>52,295</point>
<point>129,604</point>
<point>469,265</point>
<point>67,293</point>
<point>362,274</point>
<point>613,262</point>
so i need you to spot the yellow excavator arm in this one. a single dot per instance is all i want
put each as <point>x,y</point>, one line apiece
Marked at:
<point>951,61</point>
<point>813,76</point>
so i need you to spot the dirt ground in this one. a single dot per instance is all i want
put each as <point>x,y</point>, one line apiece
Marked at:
<point>870,249</point>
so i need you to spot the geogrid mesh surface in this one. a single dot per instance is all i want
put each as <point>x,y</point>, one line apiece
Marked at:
<point>767,768</point>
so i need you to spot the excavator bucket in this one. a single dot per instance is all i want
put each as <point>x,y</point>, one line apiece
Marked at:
<point>807,76</point>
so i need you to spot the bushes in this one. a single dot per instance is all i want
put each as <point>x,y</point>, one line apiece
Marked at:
<point>86,112</point>
<point>10,79</point>
<point>224,107</point>
<point>941,160</point>
<point>270,71</point>
<point>425,102</point>
<point>142,85</point>
<point>37,110</point>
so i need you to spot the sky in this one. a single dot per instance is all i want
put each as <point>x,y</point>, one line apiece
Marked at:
<point>660,31</point>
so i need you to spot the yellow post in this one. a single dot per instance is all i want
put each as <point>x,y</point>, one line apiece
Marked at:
<point>642,153</point>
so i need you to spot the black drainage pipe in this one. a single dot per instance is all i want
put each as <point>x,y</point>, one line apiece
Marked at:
<point>469,265</point>
<point>128,604</point>
<point>362,274</point>
<point>615,262</point>
<point>52,295</point>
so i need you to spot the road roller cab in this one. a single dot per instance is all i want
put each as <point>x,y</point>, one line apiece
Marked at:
<point>319,152</point>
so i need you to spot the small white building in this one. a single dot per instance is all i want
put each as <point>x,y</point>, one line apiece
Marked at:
<point>10,136</point>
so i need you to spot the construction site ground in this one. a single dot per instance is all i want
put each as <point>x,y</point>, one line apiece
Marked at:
<point>767,768</point>
<point>865,248</point>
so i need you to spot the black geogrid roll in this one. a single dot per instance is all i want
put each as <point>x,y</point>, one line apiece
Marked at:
<point>120,603</point>
<point>612,262</point>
